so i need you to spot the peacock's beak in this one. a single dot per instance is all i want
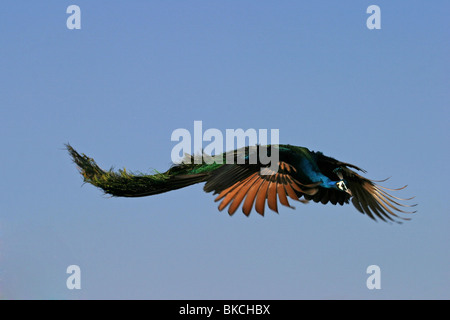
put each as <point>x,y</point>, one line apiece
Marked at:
<point>349,192</point>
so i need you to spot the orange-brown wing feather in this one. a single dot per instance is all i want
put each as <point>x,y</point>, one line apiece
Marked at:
<point>241,194</point>
<point>261,197</point>
<point>257,188</point>
<point>272,196</point>
<point>251,195</point>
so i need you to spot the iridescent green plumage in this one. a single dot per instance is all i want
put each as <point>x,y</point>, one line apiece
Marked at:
<point>128,184</point>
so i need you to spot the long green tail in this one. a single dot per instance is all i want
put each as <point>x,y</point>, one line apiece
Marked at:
<point>125,184</point>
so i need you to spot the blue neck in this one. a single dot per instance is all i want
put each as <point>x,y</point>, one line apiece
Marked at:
<point>329,184</point>
<point>315,175</point>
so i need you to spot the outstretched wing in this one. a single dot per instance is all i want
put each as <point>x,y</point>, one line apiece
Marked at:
<point>366,195</point>
<point>254,185</point>
<point>374,200</point>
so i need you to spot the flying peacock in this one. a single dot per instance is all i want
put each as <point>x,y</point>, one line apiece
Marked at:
<point>301,175</point>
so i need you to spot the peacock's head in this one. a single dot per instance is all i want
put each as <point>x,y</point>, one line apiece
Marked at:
<point>343,187</point>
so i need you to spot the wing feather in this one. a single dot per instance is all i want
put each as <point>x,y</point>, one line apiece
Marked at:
<point>282,195</point>
<point>261,197</point>
<point>241,194</point>
<point>272,196</point>
<point>251,195</point>
<point>260,187</point>
<point>371,199</point>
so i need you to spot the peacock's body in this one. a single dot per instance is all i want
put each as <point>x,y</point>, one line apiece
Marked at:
<point>301,175</point>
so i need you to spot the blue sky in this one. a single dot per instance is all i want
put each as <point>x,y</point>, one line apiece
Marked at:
<point>138,70</point>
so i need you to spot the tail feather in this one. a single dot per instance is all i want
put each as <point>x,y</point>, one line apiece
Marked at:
<point>125,184</point>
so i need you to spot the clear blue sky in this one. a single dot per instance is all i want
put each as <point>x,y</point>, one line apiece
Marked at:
<point>137,70</point>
